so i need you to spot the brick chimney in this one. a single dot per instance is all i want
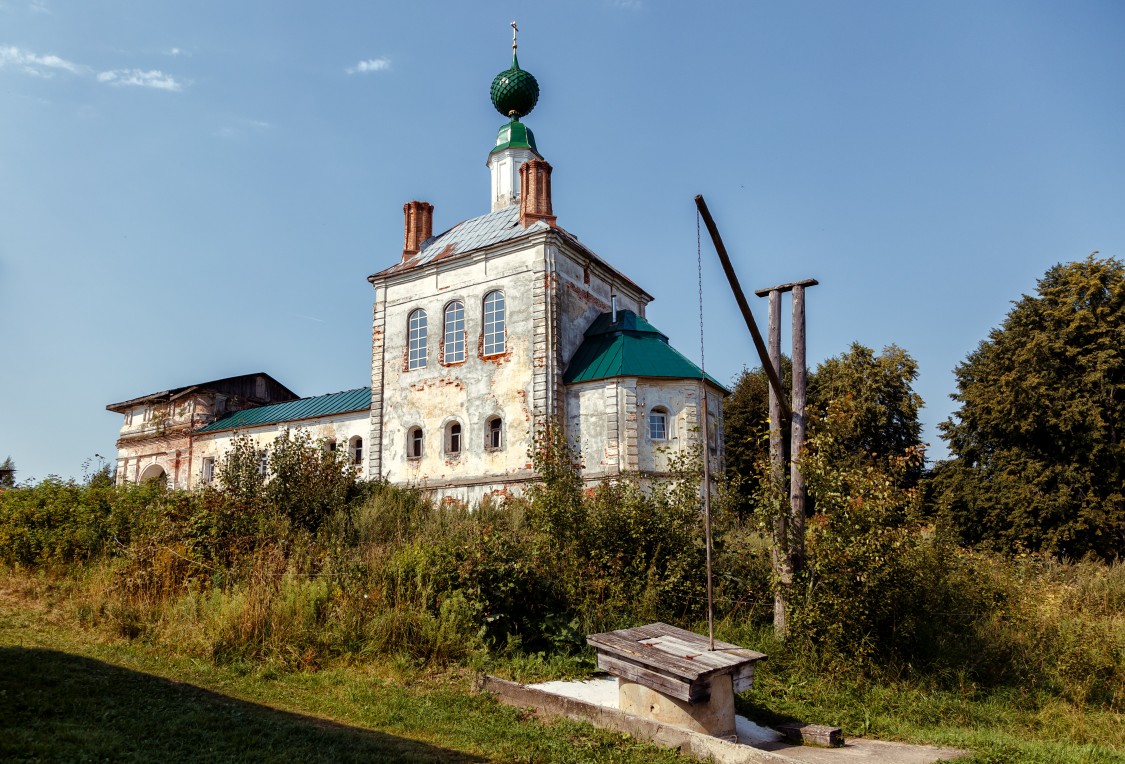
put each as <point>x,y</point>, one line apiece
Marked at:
<point>419,220</point>
<point>535,192</point>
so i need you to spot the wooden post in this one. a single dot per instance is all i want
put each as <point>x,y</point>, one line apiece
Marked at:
<point>797,492</point>
<point>743,306</point>
<point>788,552</point>
<point>779,551</point>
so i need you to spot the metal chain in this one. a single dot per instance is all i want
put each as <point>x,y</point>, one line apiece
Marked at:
<point>704,414</point>
<point>699,275</point>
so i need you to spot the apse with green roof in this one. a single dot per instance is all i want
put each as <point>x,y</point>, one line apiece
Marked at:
<point>628,346</point>
<point>514,94</point>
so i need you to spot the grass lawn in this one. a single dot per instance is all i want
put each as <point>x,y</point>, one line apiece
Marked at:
<point>71,695</point>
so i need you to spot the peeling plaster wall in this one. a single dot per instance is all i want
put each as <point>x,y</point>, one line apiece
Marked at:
<point>512,385</point>
<point>607,422</point>
<point>553,292</point>
<point>161,438</point>
<point>585,289</point>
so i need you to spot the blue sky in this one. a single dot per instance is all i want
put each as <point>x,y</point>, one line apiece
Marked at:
<point>196,190</point>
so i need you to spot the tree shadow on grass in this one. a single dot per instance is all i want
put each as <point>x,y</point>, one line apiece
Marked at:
<point>60,707</point>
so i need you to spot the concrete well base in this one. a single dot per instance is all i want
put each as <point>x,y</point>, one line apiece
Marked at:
<point>715,717</point>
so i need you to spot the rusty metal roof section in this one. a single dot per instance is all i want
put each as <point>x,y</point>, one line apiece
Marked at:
<point>293,411</point>
<point>486,230</point>
<point>242,385</point>
<point>467,236</point>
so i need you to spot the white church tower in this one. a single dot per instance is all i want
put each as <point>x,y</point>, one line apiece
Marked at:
<point>505,323</point>
<point>514,93</point>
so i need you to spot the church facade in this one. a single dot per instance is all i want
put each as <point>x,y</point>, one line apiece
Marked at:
<point>483,335</point>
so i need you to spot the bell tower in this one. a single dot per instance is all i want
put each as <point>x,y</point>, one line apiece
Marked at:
<point>514,94</point>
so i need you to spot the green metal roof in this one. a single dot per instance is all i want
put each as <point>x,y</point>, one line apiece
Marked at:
<point>515,135</point>
<point>303,408</point>
<point>628,347</point>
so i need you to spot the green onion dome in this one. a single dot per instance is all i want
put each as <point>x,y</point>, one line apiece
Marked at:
<point>514,91</point>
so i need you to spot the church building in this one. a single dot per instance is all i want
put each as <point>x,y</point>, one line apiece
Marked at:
<point>482,335</point>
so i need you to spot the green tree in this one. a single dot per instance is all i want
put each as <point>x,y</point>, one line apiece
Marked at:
<point>875,417</point>
<point>8,473</point>
<point>746,430</point>
<point>1037,441</point>
<point>876,409</point>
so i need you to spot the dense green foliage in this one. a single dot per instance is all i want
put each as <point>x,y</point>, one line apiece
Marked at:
<point>866,406</point>
<point>7,473</point>
<point>1038,442</point>
<point>879,422</point>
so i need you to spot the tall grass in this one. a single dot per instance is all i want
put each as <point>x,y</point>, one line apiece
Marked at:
<point>378,570</point>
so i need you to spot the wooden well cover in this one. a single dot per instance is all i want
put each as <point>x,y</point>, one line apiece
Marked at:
<point>673,661</point>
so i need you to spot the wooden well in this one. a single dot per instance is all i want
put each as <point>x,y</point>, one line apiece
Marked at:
<point>669,675</point>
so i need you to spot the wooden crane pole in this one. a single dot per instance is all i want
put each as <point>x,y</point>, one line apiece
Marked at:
<point>789,528</point>
<point>759,343</point>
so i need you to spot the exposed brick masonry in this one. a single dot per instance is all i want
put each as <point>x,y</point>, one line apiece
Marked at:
<point>418,219</point>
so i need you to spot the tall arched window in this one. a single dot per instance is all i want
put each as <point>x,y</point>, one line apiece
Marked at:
<point>453,439</point>
<point>455,332</point>
<point>355,449</point>
<point>416,337</point>
<point>493,323</point>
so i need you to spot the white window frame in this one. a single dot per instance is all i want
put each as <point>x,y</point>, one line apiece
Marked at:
<point>355,449</point>
<point>410,440</point>
<point>494,426</point>
<point>454,332</point>
<point>208,470</point>
<point>659,416</point>
<point>416,337</point>
<point>454,438</point>
<point>495,323</point>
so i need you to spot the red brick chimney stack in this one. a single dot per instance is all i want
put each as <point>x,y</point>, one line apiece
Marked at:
<point>535,192</point>
<point>419,224</point>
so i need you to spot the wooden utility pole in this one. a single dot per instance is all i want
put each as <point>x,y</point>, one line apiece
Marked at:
<point>788,553</point>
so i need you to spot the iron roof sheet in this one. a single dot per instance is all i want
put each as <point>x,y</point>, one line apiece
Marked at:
<point>629,347</point>
<point>303,408</point>
<point>469,235</point>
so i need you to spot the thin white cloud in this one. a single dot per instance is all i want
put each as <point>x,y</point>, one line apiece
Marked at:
<point>48,65</point>
<point>153,78</point>
<point>32,63</point>
<point>629,5</point>
<point>38,6</point>
<point>381,64</point>
<point>241,127</point>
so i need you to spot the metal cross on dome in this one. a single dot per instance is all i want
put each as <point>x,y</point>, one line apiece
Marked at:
<point>514,30</point>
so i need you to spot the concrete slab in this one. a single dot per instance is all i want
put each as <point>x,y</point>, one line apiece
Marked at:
<point>595,701</point>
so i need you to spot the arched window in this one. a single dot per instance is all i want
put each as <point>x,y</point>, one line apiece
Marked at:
<point>493,323</point>
<point>494,434</point>
<point>455,332</point>
<point>414,443</point>
<point>416,337</point>
<point>355,449</point>
<point>330,444</point>
<point>453,438</point>
<point>658,423</point>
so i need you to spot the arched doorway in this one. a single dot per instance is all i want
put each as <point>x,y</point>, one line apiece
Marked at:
<point>154,472</point>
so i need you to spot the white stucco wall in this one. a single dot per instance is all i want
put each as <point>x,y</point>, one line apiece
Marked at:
<point>341,428</point>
